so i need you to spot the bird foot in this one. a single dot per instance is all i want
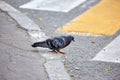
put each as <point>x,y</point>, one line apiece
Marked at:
<point>62,53</point>
<point>58,51</point>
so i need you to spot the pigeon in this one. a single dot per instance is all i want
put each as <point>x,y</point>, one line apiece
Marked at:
<point>56,43</point>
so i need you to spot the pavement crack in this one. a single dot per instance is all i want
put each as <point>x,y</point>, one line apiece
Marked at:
<point>26,57</point>
<point>45,70</point>
<point>10,69</point>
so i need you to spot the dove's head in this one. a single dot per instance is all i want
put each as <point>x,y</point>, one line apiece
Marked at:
<point>71,38</point>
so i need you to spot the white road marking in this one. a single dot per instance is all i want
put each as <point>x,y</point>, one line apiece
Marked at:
<point>111,53</point>
<point>53,5</point>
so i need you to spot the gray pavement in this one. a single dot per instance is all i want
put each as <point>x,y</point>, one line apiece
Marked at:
<point>78,54</point>
<point>18,60</point>
<point>53,62</point>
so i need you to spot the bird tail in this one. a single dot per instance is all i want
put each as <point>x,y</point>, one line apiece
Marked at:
<point>39,44</point>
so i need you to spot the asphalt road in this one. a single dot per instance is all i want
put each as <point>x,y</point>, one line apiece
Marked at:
<point>80,52</point>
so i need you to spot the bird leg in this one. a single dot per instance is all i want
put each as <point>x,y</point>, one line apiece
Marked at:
<point>57,51</point>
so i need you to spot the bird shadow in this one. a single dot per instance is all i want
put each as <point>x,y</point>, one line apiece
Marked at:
<point>51,51</point>
<point>57,52</point>
<point>47,51</point>
<point>36,51</point>
<point>44,51</point>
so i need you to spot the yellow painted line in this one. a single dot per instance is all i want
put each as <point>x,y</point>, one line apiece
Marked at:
<point>104,18</point>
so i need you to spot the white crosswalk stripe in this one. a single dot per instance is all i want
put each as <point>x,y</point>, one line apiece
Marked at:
<point>111,53</point>
<point>53,5</point>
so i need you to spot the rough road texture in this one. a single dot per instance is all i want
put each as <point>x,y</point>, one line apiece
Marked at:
<point>18,60</point>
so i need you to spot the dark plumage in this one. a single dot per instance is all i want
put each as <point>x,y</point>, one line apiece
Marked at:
<point>55,43</point>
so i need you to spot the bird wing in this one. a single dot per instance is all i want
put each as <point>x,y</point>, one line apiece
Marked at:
<point>58,43</point>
